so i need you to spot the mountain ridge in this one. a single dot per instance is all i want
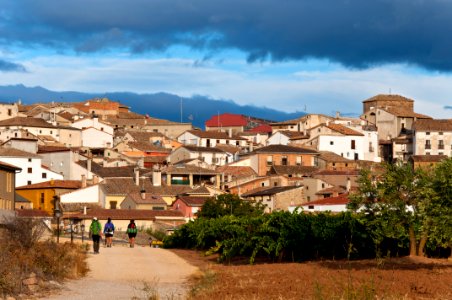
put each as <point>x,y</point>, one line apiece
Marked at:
<point>195,109</point>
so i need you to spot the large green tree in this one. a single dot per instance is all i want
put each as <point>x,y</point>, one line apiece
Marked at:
<point>229,204</point>
<point>397,203</point>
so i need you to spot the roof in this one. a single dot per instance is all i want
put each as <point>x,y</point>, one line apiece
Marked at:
<point>269,191</point>
<point>428,158</point>
<point>331,190</point>
<point>433,125</point>
<point>293,135</point>
<point>386,97</point>
<point>57,184</point>
<point>214,135</point>
<point>20,199</point>
<point>129,214</point>
<point>236,171</point>
<point>32,213</point>
<point>333,157</point>
<point>125,186</point>
<point>339,200</point>
<point>405,112</point>
<point>12,152</point>
<point>49,149</point>
<point>262,128</point>
<point>8,167</point>
<point>107,172</point>
<point>144,135</point>
<point>293,170</point>
<point>343,129</point>
<point>147,147</point>
<point>202,149</point>
<point>284,149</point>
<point>27,122</point>
<point>148,198</point>
<point>228,148</point>
<point>338,172</point>
<point>226,120</point>
<point>193,201</point>
<point>187,169</point>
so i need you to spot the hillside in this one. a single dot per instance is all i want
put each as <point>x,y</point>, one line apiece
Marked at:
<point>196,109</point>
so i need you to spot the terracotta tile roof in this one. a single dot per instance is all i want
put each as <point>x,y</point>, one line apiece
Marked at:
<point>382,97</point>
<point>239,172</point>
<point>66,115</point>
<point>28,122</point>
<point>228,148</point>
<point>9,167</point>
<point>12,152</point>
<point>433,125</point>
<point>155,159</point>
<point>144,136</point>
<point>226,120</point>
<point>48,149</point>
<point>214,135</point>
<point>53,184</point>
<point>187,169</point>
<point>405,112</point>
<point>147,147</point>
<point>331,190</point>
<point>262,128</point>
<point>333,157</point>
<point>129,214</point>
<point>96,104</point>
<point>130,115</point>
<point>32,213</point>
<point>193,201</point>
<point>155,121</point>
<point>109,172</point>
<point>294,135</point>
<point>114,121</point>
<point>293,170</point>
<point>428,158</point>
<point>148,199</point>
<point>343,130</point>
<point>284,149</point>
<point>269,191</point>
<point>125,186</point>
<point>339,200</point>
<point>202,149</point>
<point>337,172</point>
<point>202,190</point>
<point>78,207</point>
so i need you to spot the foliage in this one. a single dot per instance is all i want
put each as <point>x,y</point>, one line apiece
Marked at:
<point>406,205</point>
<point>229,204</point>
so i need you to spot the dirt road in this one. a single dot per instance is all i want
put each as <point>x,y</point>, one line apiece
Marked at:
<point>131,273</point>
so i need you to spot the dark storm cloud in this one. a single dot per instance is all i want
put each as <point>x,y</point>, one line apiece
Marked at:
<point>6,66</point>
<point>356,33</point>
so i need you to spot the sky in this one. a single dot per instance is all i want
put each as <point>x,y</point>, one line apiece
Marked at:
<point>316,56</point>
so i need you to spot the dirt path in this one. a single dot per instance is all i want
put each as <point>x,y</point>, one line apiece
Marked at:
<point>122,273</point>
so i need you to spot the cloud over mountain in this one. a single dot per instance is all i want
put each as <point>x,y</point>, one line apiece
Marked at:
<point>6,66</point>
<point>356,33</point>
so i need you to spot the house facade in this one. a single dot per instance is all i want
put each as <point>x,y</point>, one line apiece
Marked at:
<point>433,137</point>
<point>211,139</point>
<point>7,185</point>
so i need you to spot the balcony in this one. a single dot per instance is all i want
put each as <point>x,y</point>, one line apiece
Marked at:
<point>428,146</point>
<point>441,146</point>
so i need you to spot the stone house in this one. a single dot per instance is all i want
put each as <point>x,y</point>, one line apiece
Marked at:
<point>276,198</point>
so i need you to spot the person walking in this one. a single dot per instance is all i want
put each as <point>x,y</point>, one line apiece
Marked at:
<point>132,233</point>
<point>109,230</point>
<point>95,230</point>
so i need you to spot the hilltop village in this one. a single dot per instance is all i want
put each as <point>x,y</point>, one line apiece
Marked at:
<point>98,158</point>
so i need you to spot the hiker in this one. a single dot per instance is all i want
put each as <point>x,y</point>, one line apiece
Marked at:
<point>109,230</point>
<point>95,230</point>
<point>132,232</point>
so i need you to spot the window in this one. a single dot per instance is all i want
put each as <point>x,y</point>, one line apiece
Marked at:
<point>310,206</point>
<point>113,204</point>
<point>308,198</point>
<point>284,160</point>
<point>269,160</point>
<point>331,143</point>
<point>10,112</point>
<point>44,175</point>
<point>275,183</point>
<point>237,143</point>
<point>29,182</point>
<point>440,133</point>
<point>29,160</point>
<point>51,132</point>
<point>353,145</point>
<point>427,144</point>
<point>427,133</point>
<point>323,185</point>
<point>101,129</point>
<point>299,161</point>
<point>42,198</point>
<point>440,144</point>
<point>30,170</point>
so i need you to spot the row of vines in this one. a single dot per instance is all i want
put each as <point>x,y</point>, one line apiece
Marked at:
<point>284,236</point>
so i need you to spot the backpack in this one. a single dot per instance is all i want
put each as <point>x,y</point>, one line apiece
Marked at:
<point>95,228</point>
<point>109,228</point>
<point>132,228</point>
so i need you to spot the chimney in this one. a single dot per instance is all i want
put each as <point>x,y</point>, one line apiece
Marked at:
<point>143,194</point>
<point>251,146</point>
<point>230,132</point>
<point>338,114</point>
<point>83,181</point>
<point>88,166</point>
<point>84,210</point>
<point>156,176</point>
<point>349,184</point>
<point>52,182</point>
<point>95,179</point>
<point>137,177</point>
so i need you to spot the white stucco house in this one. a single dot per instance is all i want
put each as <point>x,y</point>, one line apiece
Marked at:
<point>333,204</point>
<point>210,156</point>
<point>210,139</point>
<point>32,169</point>
<point>92,194</point>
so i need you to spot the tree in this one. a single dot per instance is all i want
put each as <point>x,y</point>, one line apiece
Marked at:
<point>396,204</point>
<point>229,204</point>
